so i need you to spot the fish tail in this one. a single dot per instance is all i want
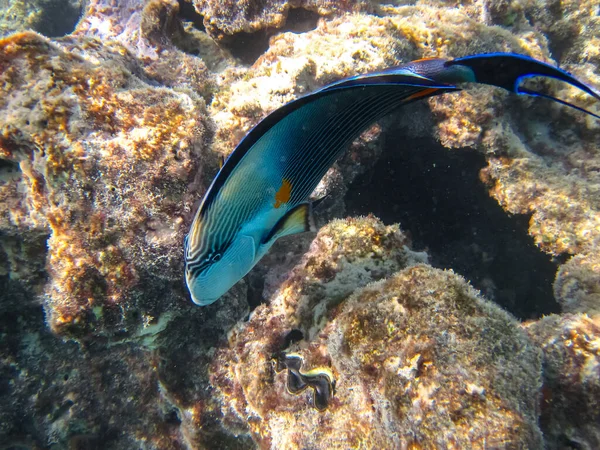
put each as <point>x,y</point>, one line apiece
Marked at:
<point>508,70</point>
<point>557,100</point>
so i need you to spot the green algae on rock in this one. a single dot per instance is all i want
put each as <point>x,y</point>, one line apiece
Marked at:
<point>418,358</point>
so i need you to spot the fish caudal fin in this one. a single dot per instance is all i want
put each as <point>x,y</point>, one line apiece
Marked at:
<point>297,220</point>
<point>508,70</point>
<point>557,100</point>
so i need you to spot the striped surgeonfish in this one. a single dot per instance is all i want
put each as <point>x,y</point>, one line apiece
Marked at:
<point>261,192</point>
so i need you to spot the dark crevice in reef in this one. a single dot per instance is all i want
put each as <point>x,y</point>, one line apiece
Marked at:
<point>248,47</point>
<point>301,20</point>
<point>8,168</point>
<point>292,337</point>
<point>256,285</point>
<point>188,13</point>
<point>437,197</point>
<point>558,45</point>
<point>58,18</point>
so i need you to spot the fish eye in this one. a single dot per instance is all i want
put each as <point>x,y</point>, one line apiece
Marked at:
<point>216,257</point>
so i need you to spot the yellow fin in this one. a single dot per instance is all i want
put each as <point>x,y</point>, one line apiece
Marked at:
<point>296,220</point>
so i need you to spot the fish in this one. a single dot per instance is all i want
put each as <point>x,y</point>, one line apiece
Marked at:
<point>261,193</point>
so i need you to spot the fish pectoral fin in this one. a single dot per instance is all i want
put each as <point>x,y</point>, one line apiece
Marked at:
<point>297,220</point>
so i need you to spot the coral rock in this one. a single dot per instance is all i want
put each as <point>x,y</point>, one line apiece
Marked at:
<point>571,391</point>
<point>231,17</point>
<point>49,17</point>
<point>577,285</point>
<point>418,359</point>
<point>93,147</point>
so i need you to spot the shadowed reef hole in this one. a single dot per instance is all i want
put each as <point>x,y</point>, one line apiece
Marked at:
<point>58,18</point>
<point>248,47</point>
<point>8,168</point>
<point>189,13</point>
<point>436,196</point>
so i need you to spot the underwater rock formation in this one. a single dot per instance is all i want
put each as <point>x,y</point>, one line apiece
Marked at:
<point>571,390</point>
<point>538,167</point>
<point>109,136</point>
<point>133,391</point>
<point>91,146</point>
<point>577,285</point>
<point>547,165</point>
<point>570,25</point>
<point>248,16</point>
<point>149,31</point>
<point>418,358</point>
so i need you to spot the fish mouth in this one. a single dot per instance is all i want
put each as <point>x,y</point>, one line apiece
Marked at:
<point>203,301</point>
<point>195,290</point>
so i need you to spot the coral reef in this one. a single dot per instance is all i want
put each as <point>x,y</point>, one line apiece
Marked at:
<point>571,392</point>
<point>533,168</point>
<point>108,137</point>
<point>419,359</point>
<point>58,394</point>
<point>149,31</point>
<point>148,390</point>
<point>570,25</point>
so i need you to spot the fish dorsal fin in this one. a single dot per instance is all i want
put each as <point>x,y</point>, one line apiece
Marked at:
<point>297,220</point>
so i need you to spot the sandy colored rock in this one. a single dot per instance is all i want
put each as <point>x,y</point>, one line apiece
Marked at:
<point>105,146</point>
<point>538,165</point>
<point>148,30</point>
<point>577,285</point>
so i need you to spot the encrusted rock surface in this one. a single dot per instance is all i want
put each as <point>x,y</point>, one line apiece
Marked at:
<point>571,393</point>
<point>93,148</point>
<point>419,359</point>
<point>231,17</point>
<point>146,391</point>
<point>577,284</point>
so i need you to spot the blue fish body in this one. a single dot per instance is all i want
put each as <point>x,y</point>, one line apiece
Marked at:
<point>261,192</point>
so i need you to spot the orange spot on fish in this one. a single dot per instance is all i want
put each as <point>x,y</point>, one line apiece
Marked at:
<point>423,93</point>
<point>283,194</point>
